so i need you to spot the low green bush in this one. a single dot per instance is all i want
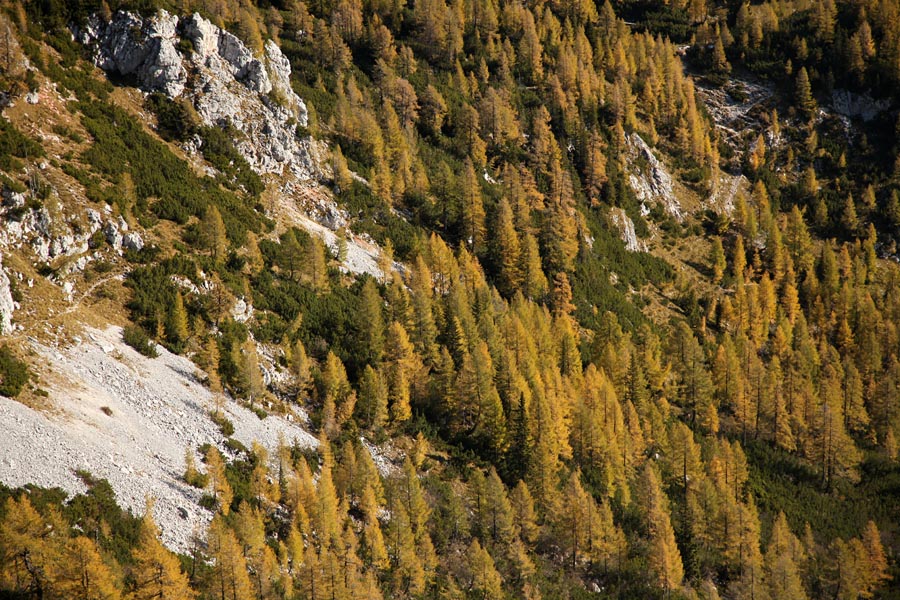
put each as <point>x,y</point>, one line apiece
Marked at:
<point>226,427</point>
<point>15,144</point>
<point>14,373</point>
<point>138,339</point>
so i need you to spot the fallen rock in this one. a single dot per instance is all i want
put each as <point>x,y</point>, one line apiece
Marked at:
<point>128,420</point>
<point>133,241</point>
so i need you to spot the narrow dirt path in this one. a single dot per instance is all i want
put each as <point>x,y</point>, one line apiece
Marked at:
<point>77,303</point>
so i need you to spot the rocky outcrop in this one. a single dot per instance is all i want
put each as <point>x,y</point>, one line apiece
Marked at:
<point>650,179</point>
<point>724,189</point>
<point>69,239</point>
<point>145,49</point>
<point>625,226</point>
<point>227,84</point>
<point>857,106</point>
<point>7,304</point>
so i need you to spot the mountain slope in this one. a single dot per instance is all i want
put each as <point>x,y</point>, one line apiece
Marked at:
<point>562,301</point>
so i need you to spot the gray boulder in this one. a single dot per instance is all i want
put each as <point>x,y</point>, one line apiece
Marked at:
<point>133,241</point>
<point>111,232</point>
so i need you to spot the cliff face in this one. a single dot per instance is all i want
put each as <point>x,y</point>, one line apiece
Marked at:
<point>227,84</point>
<point>7,304</point>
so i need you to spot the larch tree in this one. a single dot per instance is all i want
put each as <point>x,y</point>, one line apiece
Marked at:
<point>717,260</point>
<point>217,482</point>
<point>534,282</point>
<point>803,94</point>
<point>499,524</point>
<point>316,265</point>
<point>695,387</point>
<point>156,572</point>
<point>403,370</point>
<point>343,178</point>
<point>581,527</point>
<point>408,572</point>
<point>29,546</point>
<point>595,167</point>
<point>738,261</point>
<point>374,551</point>
<point>523,510</point>
<point>82,573</point>
<point>480,411</point>
<point>335,393</point>
<point>559,236</point>
<point>412,496</point>
<point>507,249</point>
<point>424,330</point>
<point>370,322</point>
<point>665,558</point>
<point>229,578</point>
<point>472,209</point>
<point>252,373</point>
<point>212,233</point>
<point>373,398</point>
<point>177,329</point>
<point>262,564</point>
<point>782,559</point>
<point>299,365</point>
<point>485,581</point>
<point>876,561</point>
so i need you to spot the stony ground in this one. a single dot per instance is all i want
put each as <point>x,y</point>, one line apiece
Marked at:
<point>157,408</point>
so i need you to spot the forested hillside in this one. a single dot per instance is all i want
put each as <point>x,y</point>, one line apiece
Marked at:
<point>513,404</point>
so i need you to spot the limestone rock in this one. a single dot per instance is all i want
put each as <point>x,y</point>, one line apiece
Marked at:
<point>623,223</point>
<point>7,305</point>
<point>650,179</point>
<point>131,46</point>
<point>13,199</point>
<point>226,83</point>
<point>133,241</point>
<point>111,232</point>
<point>855,106</point>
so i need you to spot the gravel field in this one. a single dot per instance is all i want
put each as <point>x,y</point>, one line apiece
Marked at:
<point>157,409</point>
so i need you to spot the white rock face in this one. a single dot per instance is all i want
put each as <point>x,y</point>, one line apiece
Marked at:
<point>226,83</point>
<point>623,223</point>
<point>724,190</point>
<point>652,184</point>
<point>128,45</point>
<point>7,305</point>
<point>861,106</point>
